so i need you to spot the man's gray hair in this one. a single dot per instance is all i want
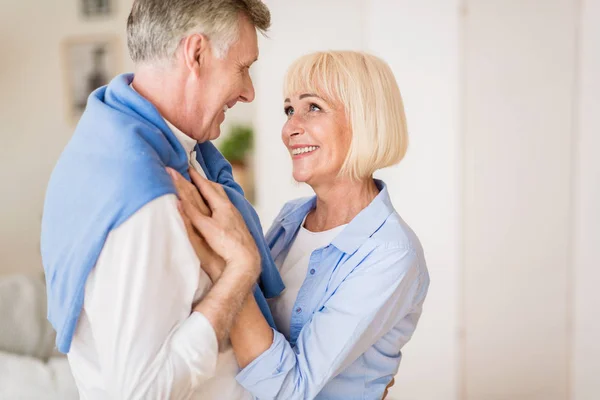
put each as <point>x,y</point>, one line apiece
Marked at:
<point>155,28</point>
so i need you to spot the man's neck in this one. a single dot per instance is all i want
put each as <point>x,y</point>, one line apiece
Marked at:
<point>164,89</point>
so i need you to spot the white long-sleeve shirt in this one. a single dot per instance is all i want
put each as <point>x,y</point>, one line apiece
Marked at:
<point>136,338</point>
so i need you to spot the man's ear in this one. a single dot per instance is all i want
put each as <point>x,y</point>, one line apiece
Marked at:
<point>195,49</point>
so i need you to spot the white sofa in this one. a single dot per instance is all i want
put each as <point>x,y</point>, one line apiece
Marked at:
<point>30,367</point>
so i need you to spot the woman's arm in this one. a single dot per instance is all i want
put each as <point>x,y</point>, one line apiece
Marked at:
<point>377,295</point>
<point>250,335</point>
<point>370,302</point>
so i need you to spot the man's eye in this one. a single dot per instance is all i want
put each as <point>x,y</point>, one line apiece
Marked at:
<point>289,111</point>
<point>314,107</point>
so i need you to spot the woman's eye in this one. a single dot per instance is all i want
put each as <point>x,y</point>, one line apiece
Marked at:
<point>289,111</point>
<point>314,107</point>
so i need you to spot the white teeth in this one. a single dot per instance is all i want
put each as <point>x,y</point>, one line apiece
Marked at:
<point>225,108</point>
<point>303,150</point>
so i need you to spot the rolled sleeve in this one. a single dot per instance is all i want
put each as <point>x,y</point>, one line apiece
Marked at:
<point>273,363</point>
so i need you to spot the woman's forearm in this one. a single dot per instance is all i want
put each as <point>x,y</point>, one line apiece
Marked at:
<point>251,335</point>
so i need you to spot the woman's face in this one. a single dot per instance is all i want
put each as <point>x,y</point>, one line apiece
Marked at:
<point>318,137</point>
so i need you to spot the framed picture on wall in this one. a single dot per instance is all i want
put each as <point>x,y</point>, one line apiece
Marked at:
<point>89,62</point>
<point>96,8</point>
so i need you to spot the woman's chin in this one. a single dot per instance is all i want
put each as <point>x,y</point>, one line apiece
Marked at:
<point>301,176</point>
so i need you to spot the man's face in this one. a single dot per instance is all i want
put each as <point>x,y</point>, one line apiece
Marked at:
<point>222,82</point>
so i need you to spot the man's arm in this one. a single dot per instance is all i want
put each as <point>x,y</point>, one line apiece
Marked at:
<point>224,301</point>
<point>149,342</point>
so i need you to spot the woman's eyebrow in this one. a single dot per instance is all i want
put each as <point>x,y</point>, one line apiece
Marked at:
<point>303,96</point>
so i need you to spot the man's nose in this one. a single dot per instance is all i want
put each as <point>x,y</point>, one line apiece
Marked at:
<point>247,95</point>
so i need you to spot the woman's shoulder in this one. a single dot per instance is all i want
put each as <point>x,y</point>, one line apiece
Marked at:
<point>392,254</point>
<point>395,232</point>
<point>291,207</point>
<point>294,205</point>
<point>395,240</point>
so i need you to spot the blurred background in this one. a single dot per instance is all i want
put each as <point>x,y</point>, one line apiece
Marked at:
<point>501,181</point>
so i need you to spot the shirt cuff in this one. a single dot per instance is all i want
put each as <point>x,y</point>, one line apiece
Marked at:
<point>196,342</point>
<point>257,374</point>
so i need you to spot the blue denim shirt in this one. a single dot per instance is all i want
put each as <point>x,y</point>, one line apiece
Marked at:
<point>359,304</point>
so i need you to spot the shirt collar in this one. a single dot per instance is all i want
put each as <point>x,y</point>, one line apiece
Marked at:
<point>362,227</point>
<point>187,142</point>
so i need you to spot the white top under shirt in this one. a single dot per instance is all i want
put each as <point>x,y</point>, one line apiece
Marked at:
<point>293,268</point>
<point>136,338</point>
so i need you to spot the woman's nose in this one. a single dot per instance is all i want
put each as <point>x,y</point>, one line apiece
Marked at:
<point>293,129</point>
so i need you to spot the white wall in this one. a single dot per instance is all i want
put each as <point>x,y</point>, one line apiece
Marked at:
<point>420,41</point>
<point>33,113</point>
<point>585,361</point>
<point>520,68</point>
<point>297,28</point>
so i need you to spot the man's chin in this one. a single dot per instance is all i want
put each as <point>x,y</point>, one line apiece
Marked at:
<point>215,134</point>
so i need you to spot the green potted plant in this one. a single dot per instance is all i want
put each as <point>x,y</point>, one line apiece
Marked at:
<point>237,147</point>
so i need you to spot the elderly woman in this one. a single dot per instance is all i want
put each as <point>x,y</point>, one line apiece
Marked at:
<point>354,271</point>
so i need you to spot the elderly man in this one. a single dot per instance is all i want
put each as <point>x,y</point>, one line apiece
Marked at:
<point>132,308</point>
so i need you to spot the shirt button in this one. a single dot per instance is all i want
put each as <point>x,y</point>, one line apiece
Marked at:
<point>312,271</point>
<point>298,310</point>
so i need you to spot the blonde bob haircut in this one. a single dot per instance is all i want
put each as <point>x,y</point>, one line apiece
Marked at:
<point>366,87</point>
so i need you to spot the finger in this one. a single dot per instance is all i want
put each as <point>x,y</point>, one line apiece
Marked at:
<point>180,183</point>
<point>184,216</point>
<point>189,227</point>
<point>195,175</point>
<point>184,188</point>
<point>187,190</point>
<point>203,250</point>
<point>203,207</point>
<point>212,192</point>
<point>196,198</point>
<point>201,222</point>
<point>176,178</point>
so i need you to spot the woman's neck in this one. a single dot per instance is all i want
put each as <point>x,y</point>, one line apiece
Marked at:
<point>339,203</point>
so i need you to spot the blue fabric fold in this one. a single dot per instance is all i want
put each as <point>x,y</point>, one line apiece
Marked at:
<point>113,165</point>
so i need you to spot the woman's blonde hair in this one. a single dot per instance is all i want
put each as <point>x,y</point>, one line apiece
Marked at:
<point>366,87</point>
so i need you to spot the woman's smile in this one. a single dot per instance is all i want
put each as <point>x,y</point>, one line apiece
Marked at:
<point>302,150</point>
